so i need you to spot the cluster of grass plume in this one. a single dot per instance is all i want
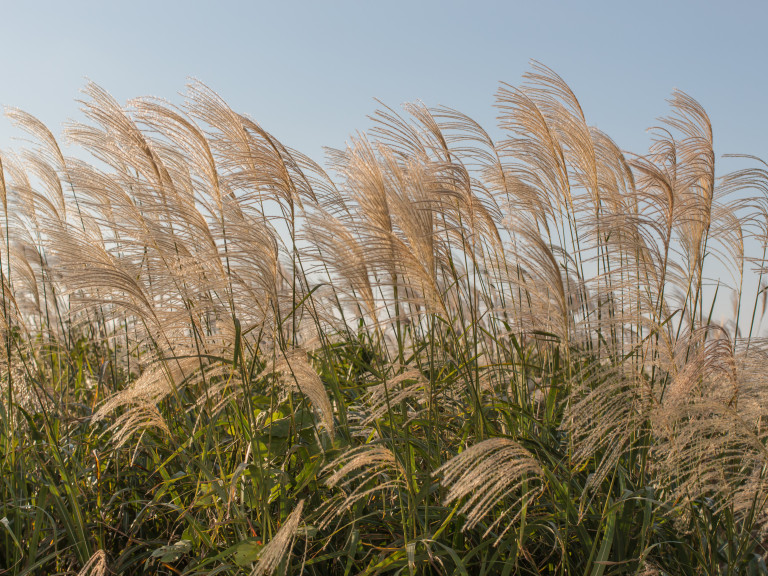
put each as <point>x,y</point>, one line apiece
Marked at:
<point>445,354</point>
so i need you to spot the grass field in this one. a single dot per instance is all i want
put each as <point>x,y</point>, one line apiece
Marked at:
<point>440,354</point>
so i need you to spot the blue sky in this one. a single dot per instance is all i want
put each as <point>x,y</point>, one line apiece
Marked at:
<point>309,71</point>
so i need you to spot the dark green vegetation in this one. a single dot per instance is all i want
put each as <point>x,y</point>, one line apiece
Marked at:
<point>446,355</point>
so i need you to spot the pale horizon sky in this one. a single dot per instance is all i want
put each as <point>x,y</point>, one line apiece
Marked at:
<point>309,72</point>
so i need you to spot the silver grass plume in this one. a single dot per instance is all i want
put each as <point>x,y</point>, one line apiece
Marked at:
<point>357,474</point>
<point>276,550</point>
<point>394,391</point>
<point>96,565</point>
<point>140,399</point>
<point>710,440</point>
<point>296,373</point>
<point>608,406</point>
<point>486,474</point>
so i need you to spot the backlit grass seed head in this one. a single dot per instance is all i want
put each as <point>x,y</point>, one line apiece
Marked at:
<point>140,417</point>
<point>394,391</point>
<point>357,474</point>
<point>96,565</point>
<point>710,436</point>
<point>608,406</point>
<point>140,399</point>
<point>296,373</point>
<point>157,382</point>
<point>704,365</point>
<point>491,473</point>
<point>275,551</point>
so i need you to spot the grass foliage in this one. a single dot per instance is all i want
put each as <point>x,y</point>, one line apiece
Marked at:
<point>444,354</point>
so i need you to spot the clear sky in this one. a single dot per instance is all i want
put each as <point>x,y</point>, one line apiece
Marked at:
<point>309,71</point>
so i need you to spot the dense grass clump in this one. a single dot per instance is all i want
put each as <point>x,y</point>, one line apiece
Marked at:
<point>444,355</point>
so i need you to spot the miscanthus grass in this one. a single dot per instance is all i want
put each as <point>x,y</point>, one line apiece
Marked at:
<point>443,353</point>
